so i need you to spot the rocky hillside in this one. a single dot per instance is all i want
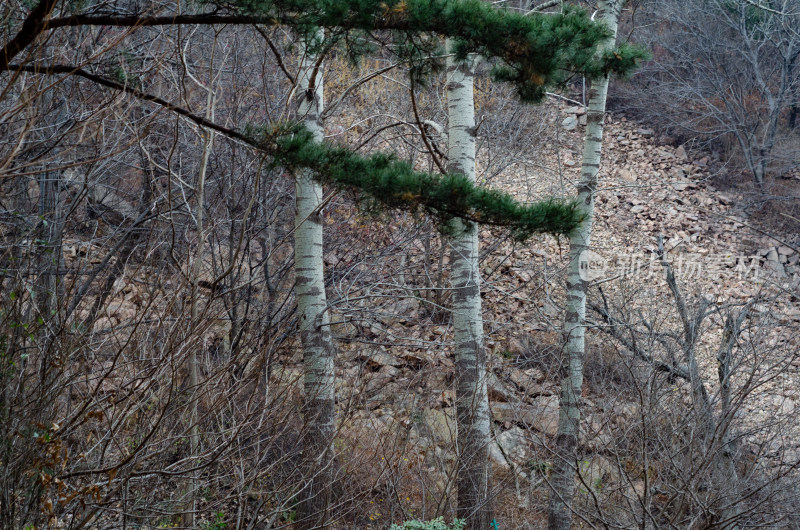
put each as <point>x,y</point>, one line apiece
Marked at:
<point>395,372</point>
<point>403,395</point>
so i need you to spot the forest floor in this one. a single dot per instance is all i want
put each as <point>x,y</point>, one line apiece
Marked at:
<point>395,370</point>
<point>647,191</point>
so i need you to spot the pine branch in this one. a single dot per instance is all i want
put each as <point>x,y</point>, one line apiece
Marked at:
<point>394,184</point>
<point>379,176</point>
<point>536,50</point>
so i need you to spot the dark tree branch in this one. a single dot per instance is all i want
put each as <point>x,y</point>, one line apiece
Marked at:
<point>34,25</point>
<point>168,20</point>
<point>110,83</point>
<point>421,128</point>
<point>689,331</point>
<point>277,54</point>
<point>614,328</point>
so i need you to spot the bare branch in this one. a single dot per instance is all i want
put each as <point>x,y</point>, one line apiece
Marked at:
<point>34,25</point>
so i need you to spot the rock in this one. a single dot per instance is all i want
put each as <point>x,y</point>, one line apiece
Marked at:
<point>514,444</point>
<point>647,133</point>
<point>637,209</point>
<point>439,425</point>
<point>783,250</point>
<point>577,110</point>
<point>627,175</point>
<point>678,173</point>
<point>570,123</point>
<point>598,473</point>
<point>378,359</point>
<point>680,153</point>
<point>541,414</point>
<point>582,120</point>
<point>498,391</point>
<point>774,265</point>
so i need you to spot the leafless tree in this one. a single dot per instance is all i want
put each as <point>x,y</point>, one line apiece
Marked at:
<point>723,71</point>
<point>692,444</point>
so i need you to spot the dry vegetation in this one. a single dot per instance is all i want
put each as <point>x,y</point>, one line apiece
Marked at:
<point>106,300</point>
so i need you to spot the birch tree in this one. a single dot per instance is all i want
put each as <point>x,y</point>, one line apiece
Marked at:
<point>472,401</point>
<point>532,53</point>
<point>315,334</point>
<point>563,478</point>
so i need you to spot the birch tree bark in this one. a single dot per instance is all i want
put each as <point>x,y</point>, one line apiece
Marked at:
<point>563,477</point>
<point>472,402</point>
<point>315,334</point>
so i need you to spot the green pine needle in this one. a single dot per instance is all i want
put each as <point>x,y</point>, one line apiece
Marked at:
<point>395,184</point>
<point>534,51</point>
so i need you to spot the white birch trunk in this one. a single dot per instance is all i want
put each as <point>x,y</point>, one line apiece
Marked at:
<point>315,334</point>
<point>563,476</point>
<point>472,402</point>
